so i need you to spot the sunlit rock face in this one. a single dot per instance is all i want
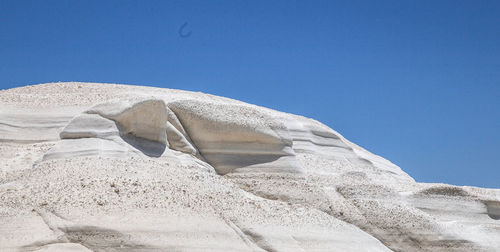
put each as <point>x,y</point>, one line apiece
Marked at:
<point>104,167</point>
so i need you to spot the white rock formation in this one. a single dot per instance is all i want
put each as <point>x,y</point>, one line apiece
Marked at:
<point>102,167</point>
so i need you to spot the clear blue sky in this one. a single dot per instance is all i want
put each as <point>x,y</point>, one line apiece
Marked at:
<point>417,82</point>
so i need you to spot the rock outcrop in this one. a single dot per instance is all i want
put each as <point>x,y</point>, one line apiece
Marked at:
<point>104,167</point>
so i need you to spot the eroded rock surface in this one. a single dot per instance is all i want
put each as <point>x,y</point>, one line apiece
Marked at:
<point>104,167</point>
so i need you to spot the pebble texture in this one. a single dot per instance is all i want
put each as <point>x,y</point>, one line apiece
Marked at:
<point>106,167</point>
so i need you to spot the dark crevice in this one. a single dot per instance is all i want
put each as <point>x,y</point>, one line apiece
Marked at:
<point>147,147</point>
<point>493,209</point>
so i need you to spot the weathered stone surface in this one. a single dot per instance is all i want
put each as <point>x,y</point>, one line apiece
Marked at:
<point>104,167</point>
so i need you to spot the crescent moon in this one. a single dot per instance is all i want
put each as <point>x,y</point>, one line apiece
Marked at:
<point>181,33</point>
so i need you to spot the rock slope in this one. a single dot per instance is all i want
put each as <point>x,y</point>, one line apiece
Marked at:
<point>105,167</point>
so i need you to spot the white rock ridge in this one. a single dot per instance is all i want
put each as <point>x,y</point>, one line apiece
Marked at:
<point>105,167</point>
